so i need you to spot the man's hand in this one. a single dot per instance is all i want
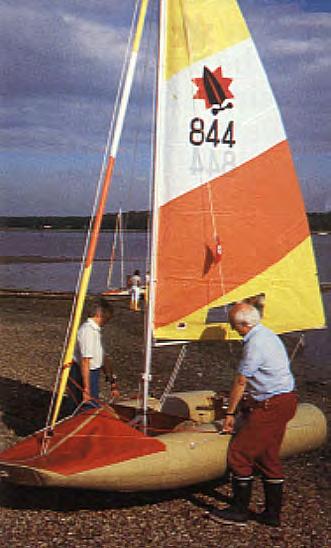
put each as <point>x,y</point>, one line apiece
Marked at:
<point>236,394</point>
<point>85,370</point>
<point>114,392</point>
<point>228,425</point>
<point>86,396</point>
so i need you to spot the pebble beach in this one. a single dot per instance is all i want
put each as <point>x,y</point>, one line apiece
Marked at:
<point>32,333</point>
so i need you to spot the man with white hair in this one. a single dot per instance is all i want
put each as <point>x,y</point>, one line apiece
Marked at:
<point>264,373</point>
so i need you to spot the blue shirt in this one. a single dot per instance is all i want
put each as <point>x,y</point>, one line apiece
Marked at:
<point>265,364</point>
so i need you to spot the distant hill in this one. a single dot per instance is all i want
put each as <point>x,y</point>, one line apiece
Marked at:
<point>320,222</point>
<point>132,220</point>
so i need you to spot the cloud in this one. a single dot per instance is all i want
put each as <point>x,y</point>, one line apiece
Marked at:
<point>295,52</point>
<point>61,64</point>
<point>47,53</point>
<point>97,41</point>
<point>60,74</point>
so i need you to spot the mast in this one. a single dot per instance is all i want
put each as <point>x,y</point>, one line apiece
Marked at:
<point>113,249</point>
<point>121,247</point>
<point>93,239</point>
<point>154,221</point>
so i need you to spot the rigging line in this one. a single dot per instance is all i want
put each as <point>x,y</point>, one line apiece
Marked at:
<point>154,224</point>
<point>210,198</point>
<point>108,176</point>
<point>143,438</point>
<point>151,154</point>
<point>141,95</point>
<point>297,346</point>
<point>121,248</point>
<point>138,130</point>
<point>212,213</point>
<point>173,375</point>
<point>150,194</point>
<point>94,208</point>
<point>113,249</point>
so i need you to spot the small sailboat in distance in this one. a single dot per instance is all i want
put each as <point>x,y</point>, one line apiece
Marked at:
<point>228,225</point>
<point>124,289</point>
<point>118,243</point>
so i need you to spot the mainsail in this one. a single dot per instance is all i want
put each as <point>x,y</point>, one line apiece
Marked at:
<point>231,222</point>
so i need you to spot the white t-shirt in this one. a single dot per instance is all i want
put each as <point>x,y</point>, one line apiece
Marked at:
<point>89,344</point>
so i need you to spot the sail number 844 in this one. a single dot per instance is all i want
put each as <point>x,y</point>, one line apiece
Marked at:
<point>200,134</point>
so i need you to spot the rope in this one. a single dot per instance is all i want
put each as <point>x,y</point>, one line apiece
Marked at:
<point>113,249</point>
<point>208,184</point>
<point>297,346</point>
<point>120,437</point>
<point>94,208</point>
<point>173,375</point>
<point>138,137</point>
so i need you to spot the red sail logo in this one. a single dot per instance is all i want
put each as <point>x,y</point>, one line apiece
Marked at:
<point>213,88</point>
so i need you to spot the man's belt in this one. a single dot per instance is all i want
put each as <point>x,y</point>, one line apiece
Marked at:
<point>249,403</point>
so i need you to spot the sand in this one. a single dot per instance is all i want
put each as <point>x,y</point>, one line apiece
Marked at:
<point>32,332</point>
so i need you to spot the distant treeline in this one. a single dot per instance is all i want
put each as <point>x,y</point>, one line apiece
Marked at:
<point>131,220</point>
<point>320,222</point>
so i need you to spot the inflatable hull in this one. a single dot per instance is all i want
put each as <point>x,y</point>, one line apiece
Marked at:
<point>96,450</point>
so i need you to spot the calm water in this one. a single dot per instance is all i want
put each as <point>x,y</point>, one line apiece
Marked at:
<point>62,276</point>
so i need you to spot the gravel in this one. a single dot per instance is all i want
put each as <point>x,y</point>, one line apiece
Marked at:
<point>32,333</point>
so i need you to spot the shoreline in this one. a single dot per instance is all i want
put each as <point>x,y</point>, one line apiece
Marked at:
<point>84,230</point>
<point>51,229</point>
<point>33,293</point>
<point>36,259</point>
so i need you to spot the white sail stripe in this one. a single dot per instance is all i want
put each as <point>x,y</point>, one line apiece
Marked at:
<point>257,122</point>
<point>262,113</point>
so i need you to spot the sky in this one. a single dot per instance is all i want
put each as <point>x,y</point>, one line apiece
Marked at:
<point>60,66</point>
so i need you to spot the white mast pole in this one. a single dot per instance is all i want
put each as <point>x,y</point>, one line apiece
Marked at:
<point>151,300</point>
<point>121,247</point>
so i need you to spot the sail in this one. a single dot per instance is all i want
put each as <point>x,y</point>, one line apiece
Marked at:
<point>230,217</point>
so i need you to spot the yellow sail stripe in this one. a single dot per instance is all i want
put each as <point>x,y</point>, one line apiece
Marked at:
<point>195,31</point>
<point>292,299</point>
<point>72,341</point>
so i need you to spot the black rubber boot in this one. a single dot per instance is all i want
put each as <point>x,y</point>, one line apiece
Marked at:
<point>273,492</point>
<point>238,511</point>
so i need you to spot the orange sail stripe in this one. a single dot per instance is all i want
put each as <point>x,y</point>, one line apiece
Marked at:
<point>259,218</point>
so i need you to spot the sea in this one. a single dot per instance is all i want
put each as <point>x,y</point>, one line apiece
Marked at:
<point>49,260</point>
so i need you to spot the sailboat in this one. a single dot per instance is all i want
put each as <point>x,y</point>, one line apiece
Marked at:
<point>118,242</point>
<point>123,290</point>
<point>228,225</point>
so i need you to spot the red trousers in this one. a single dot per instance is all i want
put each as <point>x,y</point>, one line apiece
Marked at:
<point>258,441</point>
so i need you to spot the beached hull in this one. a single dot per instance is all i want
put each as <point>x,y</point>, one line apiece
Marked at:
<point>121,292</point>
<point>121,458</point>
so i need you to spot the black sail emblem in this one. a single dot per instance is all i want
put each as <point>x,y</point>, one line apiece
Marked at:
<point>215,92</point>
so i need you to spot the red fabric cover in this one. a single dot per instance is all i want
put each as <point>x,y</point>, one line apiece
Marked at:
<point>102,441</point>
